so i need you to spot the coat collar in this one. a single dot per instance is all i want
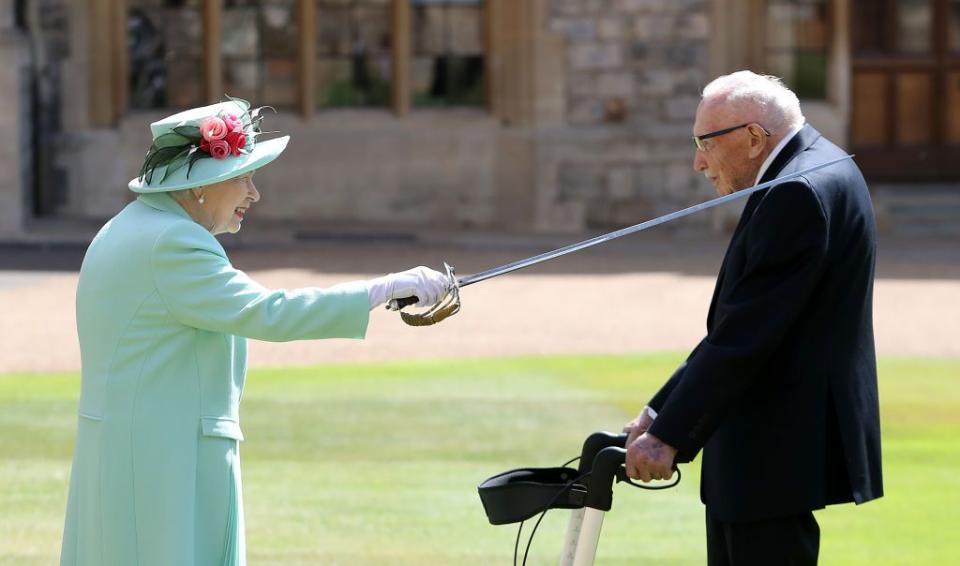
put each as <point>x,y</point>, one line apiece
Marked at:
<point>164,202</point>
<point>804,139</point>
<point>801,141</point>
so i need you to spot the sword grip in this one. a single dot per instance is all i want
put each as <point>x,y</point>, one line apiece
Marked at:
<point>397,304</point>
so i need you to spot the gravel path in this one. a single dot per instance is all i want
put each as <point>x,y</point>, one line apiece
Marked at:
<point>639,295</point>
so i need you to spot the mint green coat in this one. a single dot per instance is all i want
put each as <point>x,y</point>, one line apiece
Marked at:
<point>162,316</point>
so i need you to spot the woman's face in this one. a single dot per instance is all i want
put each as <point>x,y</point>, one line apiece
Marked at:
<point>226,203</point>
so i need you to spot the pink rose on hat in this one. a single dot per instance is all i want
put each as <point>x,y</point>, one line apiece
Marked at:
<point>219,149</point>
<point>222,136</point>
<point>237,141</point>
<point>233,122</point>
<point>213,128</point>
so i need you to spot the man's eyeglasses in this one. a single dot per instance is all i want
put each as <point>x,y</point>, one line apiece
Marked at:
<point>698,140</point>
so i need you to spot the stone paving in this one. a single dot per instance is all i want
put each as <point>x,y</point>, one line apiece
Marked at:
<point>640,294</point>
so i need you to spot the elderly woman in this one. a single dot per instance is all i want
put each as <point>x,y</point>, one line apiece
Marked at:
<point>162,318</point>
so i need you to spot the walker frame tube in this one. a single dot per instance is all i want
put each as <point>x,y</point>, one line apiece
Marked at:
<point>602,457</point>
<point>582,550</point>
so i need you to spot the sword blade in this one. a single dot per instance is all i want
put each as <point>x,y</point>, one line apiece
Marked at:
<point>547,256</point>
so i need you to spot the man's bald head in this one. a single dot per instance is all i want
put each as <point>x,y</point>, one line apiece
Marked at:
<point>740,120</point>
<point>755,98</point>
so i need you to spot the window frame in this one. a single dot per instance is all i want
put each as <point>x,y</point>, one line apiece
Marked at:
<point>764,50</point>
<point>109,88</point>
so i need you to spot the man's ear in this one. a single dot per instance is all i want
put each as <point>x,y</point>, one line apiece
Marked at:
<point>758,140</point>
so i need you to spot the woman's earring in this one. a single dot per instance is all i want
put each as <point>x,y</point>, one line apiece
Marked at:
<point>201,200</point>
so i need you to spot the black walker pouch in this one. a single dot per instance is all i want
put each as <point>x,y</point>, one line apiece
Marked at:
<point>517,495</point>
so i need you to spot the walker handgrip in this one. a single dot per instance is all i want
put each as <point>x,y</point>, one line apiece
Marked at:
<point>606,464</point>
<point>597,442</point>
<point>397,304</point>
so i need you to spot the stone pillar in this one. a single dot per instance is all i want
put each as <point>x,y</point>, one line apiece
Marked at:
<point>401,20</point>
<point>14,121</point>
<point>212,47</point>
<point>102,69</point>
<point>306,57</point>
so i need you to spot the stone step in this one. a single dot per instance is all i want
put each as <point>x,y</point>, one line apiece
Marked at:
<point>918,209</point>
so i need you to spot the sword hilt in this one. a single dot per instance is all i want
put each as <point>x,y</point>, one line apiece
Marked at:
<point>397,304</point>
<point>447,306</point>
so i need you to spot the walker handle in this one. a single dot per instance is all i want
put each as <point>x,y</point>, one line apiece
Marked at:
<point>607,466</point>
<point>597,442</point>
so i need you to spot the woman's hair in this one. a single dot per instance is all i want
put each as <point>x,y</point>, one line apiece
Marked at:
<point>761,98</point>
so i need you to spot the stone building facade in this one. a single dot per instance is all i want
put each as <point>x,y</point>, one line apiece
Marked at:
<point>632,72</point>
<point>537,116</point>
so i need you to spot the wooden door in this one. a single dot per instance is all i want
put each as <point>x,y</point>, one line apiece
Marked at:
<point>906,89</point>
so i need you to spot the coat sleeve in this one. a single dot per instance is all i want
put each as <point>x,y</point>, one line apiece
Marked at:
<point>203,290</point>
<point>658,400</point>
<point>786,244</point>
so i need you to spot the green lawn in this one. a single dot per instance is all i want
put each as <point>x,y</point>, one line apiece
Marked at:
<point>379,464</point>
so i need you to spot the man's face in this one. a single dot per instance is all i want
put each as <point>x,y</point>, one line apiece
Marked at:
<point>729,161</point>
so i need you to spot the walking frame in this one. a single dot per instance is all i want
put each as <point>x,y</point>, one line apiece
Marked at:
<point>517,495</point>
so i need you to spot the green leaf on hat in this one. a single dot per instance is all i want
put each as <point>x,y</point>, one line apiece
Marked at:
<point>171,139</point>
<point>256,117</point>
<point>176,163</point>
<point>195,155</point>
<point>157,158</point>
<point>192,132</point>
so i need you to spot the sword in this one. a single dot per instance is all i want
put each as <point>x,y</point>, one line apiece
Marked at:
<point>431,317</point>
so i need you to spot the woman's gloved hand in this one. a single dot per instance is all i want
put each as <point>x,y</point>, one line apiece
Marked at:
<point>422,282</point>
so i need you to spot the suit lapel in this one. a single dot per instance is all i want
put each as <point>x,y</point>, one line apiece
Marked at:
<point>798,143</point>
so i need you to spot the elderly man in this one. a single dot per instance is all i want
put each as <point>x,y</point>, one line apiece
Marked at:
<point>781,394</point>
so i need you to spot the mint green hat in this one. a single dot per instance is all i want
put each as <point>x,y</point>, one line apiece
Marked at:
<point>181,156</point>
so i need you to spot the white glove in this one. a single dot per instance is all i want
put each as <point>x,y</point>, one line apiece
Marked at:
<point>422,282</point>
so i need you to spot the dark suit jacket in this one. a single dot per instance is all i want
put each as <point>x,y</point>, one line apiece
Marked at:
<point>781,395</point>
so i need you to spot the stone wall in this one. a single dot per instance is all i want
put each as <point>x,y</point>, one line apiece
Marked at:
<point>429,170</point>
<point>613,100</point>
<point>634,70</point>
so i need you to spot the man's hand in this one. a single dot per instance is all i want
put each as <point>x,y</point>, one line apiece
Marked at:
<point>650,459</point>
<point>638,426</point>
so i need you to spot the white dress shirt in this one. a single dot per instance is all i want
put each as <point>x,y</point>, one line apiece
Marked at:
<point>773,154</point>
